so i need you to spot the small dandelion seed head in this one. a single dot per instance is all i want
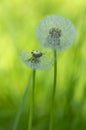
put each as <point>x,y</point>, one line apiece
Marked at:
<point>55,32</point>
<point>37,59</point>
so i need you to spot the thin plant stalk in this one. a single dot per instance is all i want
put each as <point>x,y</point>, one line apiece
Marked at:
<point>54,91</point>
<point>21,106</point>
<point>32,102</point>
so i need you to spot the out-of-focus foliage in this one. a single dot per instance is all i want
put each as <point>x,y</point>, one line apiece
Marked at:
<point>18,19</point>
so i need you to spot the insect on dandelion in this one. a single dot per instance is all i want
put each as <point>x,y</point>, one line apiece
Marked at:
<point>57,33</point>
<point>36,60</point>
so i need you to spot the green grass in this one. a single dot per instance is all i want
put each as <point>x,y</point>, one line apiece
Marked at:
<point>18,19</point>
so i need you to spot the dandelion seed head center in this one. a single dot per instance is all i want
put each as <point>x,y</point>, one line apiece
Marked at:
<point>35,60</point>
<point>55,33</point>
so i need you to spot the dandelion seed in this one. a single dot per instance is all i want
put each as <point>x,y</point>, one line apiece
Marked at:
<point>55,32</point>
<point>37,59</point>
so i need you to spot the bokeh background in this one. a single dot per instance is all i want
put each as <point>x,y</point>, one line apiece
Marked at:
<point>18,19</point>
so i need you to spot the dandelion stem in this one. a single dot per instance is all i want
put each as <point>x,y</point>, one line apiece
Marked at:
<point>54,90</point>
<point>32,102</point>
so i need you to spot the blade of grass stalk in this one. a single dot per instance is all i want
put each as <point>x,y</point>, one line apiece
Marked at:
<point>21,106</point>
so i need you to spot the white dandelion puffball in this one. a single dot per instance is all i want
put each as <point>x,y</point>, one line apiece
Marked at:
<point>36,59</point>
<point>55,32</point>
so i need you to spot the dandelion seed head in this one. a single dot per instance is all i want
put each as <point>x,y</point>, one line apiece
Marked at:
<point>55,32</point>
<point>37,59</point>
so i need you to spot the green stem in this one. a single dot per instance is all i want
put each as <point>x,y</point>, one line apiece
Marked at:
<point>32,102</point>
<point>54,90</point>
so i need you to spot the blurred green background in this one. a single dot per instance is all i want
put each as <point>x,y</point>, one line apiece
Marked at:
<point>18,19</point>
